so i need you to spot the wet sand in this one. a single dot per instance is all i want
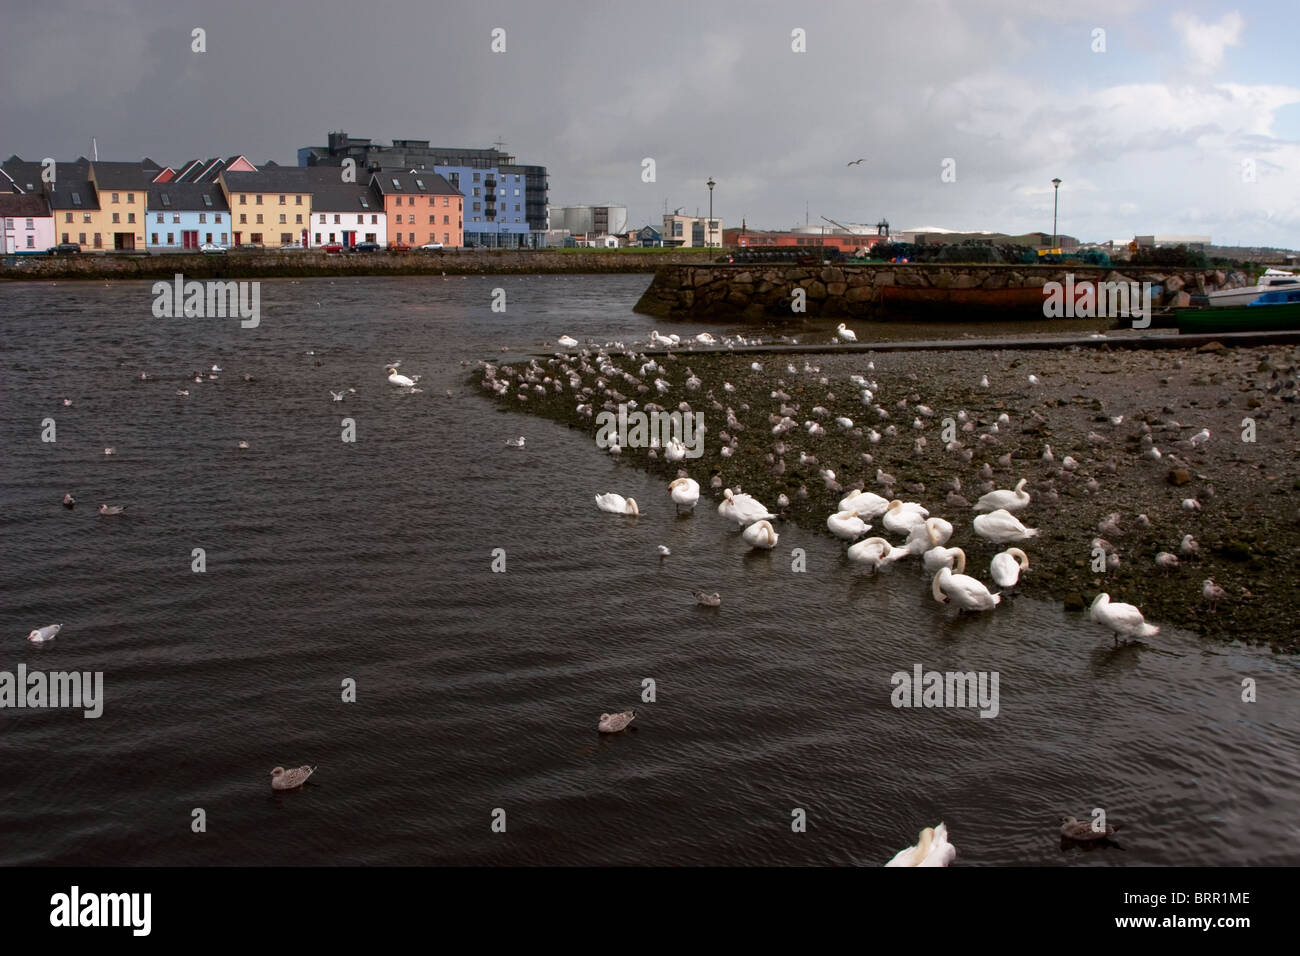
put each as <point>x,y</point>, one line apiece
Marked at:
<point>1248,525</point>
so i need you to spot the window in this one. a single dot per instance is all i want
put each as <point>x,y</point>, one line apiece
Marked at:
<point>115,199</point>
<point>67,217</point>
<point>209,239</point>
<point>203,217</point>
<point>397,183</point>
<point>65,237</point>
<point>76,199</point>
<point>259,199</point>
<point>243,199</point>
<point>85,217</point>
<point>130,197</point>
<point>318,238</point>
<point>160,219</point>
<point>516,192</point>
<point>516,209</point>
<point>176,217</point>
<point>412,240</point>
<point>446,238</point>
<point>284,219</point>
<point>399,218</point>
<point>444,200</point>
<point>255,238</point>
<point>31,242</point>
<point>322,217</point>
<point>432,221</point>
<point>298,219</point>
<point>259,218</point>
<point>420,183</point>
<point>171,241</point>
<point>331,237</point>
<point>476,177</point>
<point>207,200</point>
<point>166,199</point>
<point>117,217</point>
<point>476,191</point>
<point>130,217</point>
<point>286,238</point>
<point>243,218</point>
<point>446,220</point>
<point>282,199</point>
<point>30,224</point>
<point>365,202</point>
<point>224,240</point>
<point>361,220</point>
<point>98,243</point>
<point>374,220</point>
<point>336,219</point>
<point>217,218</point>
<point>431,238</point>
<point>81,238</point>
<point>297,200</point>
<point>432,201</point>
<point>476,209</point>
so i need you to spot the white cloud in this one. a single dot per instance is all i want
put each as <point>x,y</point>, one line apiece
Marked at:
<point>1205,42</point>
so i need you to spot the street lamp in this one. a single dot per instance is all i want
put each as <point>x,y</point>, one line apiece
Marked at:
<point>1056,192</point>
<point>708,240</point>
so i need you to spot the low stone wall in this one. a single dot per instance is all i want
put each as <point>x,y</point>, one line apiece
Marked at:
<point>765,292</point>
<point>271,264</point>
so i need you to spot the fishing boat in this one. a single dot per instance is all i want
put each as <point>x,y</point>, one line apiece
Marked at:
<point>1270,312</point>
<point>1270,281</point>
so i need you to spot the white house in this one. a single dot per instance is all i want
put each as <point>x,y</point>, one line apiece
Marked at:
<point>26,224</point>
<point>346,213</point>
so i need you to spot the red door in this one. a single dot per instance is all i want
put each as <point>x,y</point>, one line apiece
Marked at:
<point>189,239</point>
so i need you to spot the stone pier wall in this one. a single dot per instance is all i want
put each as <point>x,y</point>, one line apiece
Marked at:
<point>766,291</point>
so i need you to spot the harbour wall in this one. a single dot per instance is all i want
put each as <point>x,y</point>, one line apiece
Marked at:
<point>765,292</point>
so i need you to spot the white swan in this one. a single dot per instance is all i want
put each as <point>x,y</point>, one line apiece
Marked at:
<point>932,849</point>
<point>617,504</point>
<point>1005,500</point>
<point>845,333</point>
<point>847,526</point>
<point>874,552</point>
<point>867,504</point>
<point>43,634</point>
<point>394,378</point>
<point>760,535</point>
<point>901,516</point>
<point>674,451</point>
<point>282,779</point>
<point>940,557</point>
<point>743,509</point>
<point>963,590</point>
<point>567,341</point>
<point>704,338</point>
<point>1002,526</point>
<point>614,723</point>
<point>928,534</point>
<point>1005,568</point>
<point>685,492</point>
<point>1120,618</point>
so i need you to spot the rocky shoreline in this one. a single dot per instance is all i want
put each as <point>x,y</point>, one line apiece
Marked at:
<point>1248,492</point>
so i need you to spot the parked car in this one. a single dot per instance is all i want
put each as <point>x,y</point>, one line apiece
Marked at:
<point>367,247</point>
<point>65,249</point>
<point>212,247</point>
<point>431,247</point>
<point>250,247</point>
<point>398,247</point>
<point>332,247</point>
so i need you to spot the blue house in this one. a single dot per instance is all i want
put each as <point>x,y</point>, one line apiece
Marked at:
<point>181,216</point>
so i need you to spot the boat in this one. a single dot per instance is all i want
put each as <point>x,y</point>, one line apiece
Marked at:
<point>1274,311</point>
<point>1272,279</point>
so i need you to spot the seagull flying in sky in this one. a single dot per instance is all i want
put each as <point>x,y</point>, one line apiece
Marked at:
<point>856,162</point>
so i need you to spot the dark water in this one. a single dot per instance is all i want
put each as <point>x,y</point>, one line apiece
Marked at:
<point>479,691</point>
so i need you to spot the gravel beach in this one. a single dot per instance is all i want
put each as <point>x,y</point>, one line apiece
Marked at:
<point>1246,493</point>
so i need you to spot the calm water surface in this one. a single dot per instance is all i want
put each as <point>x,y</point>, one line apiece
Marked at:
<point>478,691</point>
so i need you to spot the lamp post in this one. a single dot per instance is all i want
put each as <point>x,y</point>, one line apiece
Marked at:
<point>708,239</point>
<point>1056,192</point>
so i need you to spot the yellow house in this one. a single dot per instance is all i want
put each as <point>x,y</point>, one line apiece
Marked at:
<point>101,206</point>
<point>270,207</point>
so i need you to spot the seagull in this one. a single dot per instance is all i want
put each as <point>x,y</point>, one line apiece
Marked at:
<point>857,162</point>
<point>243,444</point>
<point>614,723</point>
<point>111,509</point>
<point>708,600</point>
<point>337,396</point>
<point>43,634</point>
<point>69,501</point>
<point>1213,593</point>
<point>663,551</point>
<point>282,779</point>
<point>110,451</point>
<point>516,442</point>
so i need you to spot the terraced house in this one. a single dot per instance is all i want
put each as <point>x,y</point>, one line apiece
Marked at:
<point>122,190</point>
<point>184,216</point>
<point>421,207</point>
<point>270,207</point>
<point>346,213</point>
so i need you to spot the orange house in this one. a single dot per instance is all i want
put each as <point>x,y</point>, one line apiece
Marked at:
<point>421,208</point>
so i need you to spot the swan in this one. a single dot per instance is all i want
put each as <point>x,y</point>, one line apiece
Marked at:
<point>929,534</point>
<point>617,504</point>
<point>964,591</point>
<point>516,442</point>
<point>743,509</point>
<point>901,516</point>
<point>704,338</point>
<point>1120,618</point>
<point>43,634</point>
<point>613,723</point>
<point>1002,526</point>
<point>282,779</point>
<point>1005,568</point>
<point>760,534</point>
<point>1005,500</point>
<point>940,557</point>
<point>847,526</point>
<point>567,341</point>
<point>867,504</point>
<point>674,451</point>
<point>932,849</point>
<point>396,379</point>
<point>845,333</point>
<point>685,492</point>
<point>874,552</point>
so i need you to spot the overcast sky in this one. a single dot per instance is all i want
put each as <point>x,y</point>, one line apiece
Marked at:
<point>1157,134</point>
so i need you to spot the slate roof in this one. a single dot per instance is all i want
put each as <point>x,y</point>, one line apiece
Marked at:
<point>186,197</point>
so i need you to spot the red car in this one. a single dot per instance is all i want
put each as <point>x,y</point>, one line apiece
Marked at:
<point>398,247</point>
<point>333,247</point>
